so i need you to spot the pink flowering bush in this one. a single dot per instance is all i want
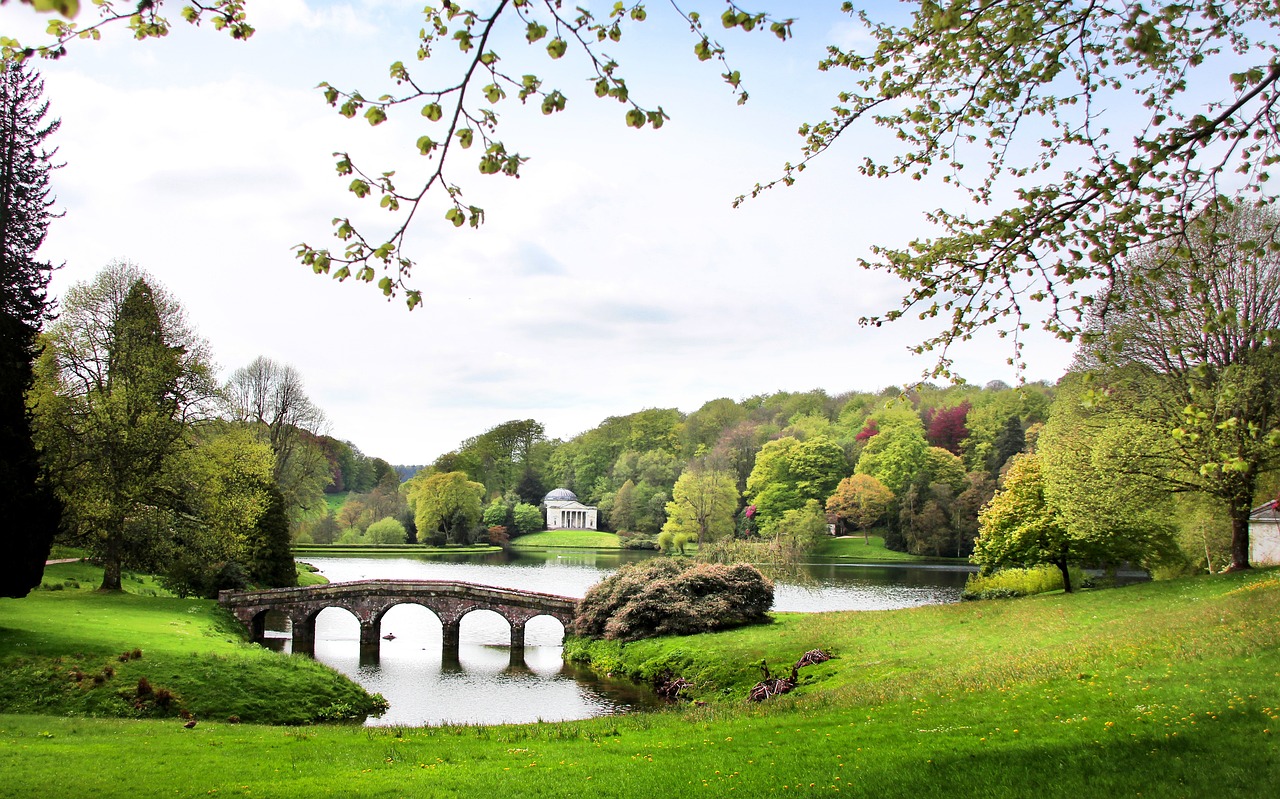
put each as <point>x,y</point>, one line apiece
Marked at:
<point>665,596</point>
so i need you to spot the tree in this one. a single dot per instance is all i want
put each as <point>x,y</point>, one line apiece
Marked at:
<point>1187,339</point>
<point>271,560</point>
<point>947,428</point>
<point>1011,440</point>
<point>1095,476</point>
<point>446,506</point>
<point>1020,528</point>
<point>802,528</point>
<point>226,483</point>
<point>25,213</point>
<point>623,513</point>
<point>122,381</point>
<point>924,519</point>
<point>702,504</point>
<point>860,501</point>
<point>1023,89</point>
<point>978,490</point>
<point>897,452</point>
<point>270,398</point>
<point>527,518</point>
<point>789,472</point>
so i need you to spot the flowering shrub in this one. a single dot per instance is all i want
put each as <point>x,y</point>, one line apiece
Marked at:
<point>669,597</point>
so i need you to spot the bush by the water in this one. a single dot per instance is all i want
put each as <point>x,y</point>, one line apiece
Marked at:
<point>666,596</point>
<point>1009,583</point>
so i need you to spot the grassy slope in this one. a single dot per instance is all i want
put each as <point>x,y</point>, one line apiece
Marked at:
<point>189,647</point>
<point>335,501</point>
<point>854,548</point>
<point>1166,689</point>
<point>581,539</point>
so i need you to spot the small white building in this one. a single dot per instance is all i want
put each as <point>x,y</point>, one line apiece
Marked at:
<point>565,512</point>
<point>1264,535</point>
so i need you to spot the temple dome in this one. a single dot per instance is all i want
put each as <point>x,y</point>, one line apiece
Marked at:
<point>560,495</point>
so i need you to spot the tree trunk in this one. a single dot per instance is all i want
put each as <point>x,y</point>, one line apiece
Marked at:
<point>111,566</point>
<point>1066,575</point>
<point>1239,537</point>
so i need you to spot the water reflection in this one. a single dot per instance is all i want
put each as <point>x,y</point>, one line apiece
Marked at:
<point>484,681</point>
<point>480,682</point>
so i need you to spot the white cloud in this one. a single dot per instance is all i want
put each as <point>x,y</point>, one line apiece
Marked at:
<point>612,276</point>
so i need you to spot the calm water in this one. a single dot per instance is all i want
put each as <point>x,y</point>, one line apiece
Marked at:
<point>489,684</point>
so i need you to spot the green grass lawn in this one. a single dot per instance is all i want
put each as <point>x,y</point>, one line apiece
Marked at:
<point>579,539</point>
<point>307,575</point>
<point>367,550</point>
<point>335,501</point>
<point>855,548</point>
<point>1167,689</point>
<point>77,651</point>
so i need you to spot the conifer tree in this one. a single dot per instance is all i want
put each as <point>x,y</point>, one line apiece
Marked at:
<point>27,502</point>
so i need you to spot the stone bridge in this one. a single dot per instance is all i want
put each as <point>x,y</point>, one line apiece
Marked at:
<point>369,601</point>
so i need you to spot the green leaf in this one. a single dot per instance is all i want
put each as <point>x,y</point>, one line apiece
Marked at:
<point>556,47</point>
<point>425,145</point>
<point>465,137</point>
<point>433,111</point>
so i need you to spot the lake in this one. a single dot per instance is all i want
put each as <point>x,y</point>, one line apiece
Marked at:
<point>488,683</point>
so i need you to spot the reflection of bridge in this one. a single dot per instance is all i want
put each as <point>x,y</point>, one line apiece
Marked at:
<point>369,601</point>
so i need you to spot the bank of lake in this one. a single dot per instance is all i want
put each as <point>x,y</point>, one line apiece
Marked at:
<point>1159,689</point>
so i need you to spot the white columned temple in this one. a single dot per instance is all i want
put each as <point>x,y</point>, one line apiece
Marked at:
<point>565,512</point>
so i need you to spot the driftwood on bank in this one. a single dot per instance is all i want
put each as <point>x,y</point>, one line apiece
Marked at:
<point>771,685</point>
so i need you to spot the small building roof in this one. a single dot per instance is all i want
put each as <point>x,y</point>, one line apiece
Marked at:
<point>560,495</point>
<point>1266,512</point>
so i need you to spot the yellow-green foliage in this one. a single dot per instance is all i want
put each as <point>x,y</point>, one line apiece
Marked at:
<point>1018,582</point>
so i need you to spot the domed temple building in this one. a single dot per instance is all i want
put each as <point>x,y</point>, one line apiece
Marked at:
<point>565,512</point>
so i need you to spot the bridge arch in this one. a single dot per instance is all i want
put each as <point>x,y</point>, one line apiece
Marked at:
<point>370,600</point>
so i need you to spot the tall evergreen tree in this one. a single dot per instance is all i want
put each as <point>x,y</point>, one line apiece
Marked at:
<point>120,383</point>
<point>26,500</point>
<point>272,558</point>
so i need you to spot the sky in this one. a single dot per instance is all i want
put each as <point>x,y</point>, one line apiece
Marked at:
<point>612,276</point>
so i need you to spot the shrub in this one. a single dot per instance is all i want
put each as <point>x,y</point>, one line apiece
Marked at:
<point>350,537</point>
<point>669,597</point>
<point>1009,583</point>
<point>527,518</point>
<point>191,576</point>
<point>386,531</point>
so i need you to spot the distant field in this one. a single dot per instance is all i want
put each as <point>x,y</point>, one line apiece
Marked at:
<point>365,550</point>
<point>336,501</point>
<point>581,539</point>
<point>854,548</point>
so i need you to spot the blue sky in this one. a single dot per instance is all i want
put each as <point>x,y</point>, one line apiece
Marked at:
<point>612,276</point>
